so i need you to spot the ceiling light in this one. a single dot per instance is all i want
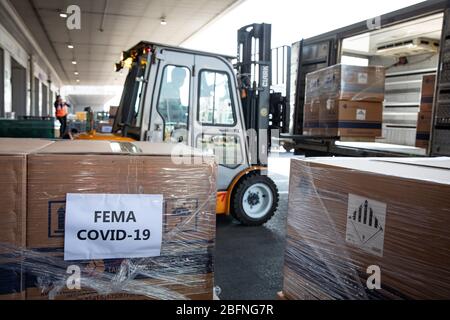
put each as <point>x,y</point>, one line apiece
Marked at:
<point>78,80</point>
<point>74,62</point>
<point>76,73</point>
<point>63,15</point>
<point>70,46</point>
<point>163,21</point>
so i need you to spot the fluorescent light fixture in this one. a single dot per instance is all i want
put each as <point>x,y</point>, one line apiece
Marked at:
<point>74,62</point>
<point>63,15</point>
<point>76,73</point>
<point>78,80</point>
<point>70,46</point>
<point>163,21</point>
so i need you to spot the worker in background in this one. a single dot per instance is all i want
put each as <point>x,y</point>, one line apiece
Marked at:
<point>61,112</point>
<point>171,105</point>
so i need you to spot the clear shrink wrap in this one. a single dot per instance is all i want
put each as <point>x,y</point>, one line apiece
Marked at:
<point>361,228</point>
<point>187,180</point>
<point>13,193</point>
<point>344,100</point>
<point>347,82</point>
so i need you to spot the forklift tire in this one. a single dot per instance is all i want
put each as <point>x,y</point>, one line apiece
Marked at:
<point>254,200</point>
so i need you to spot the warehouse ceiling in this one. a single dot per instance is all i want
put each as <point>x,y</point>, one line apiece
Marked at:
<point>94,100</point>
<point>109,27</point>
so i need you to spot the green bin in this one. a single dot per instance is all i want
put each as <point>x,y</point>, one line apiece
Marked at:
<point>27,128</point>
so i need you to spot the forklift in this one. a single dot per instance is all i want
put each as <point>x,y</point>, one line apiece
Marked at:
<point>176,95</point>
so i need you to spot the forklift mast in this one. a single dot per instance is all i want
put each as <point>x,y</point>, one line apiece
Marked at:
<point>254,76</point>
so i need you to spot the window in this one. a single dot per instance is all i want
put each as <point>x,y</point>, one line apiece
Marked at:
<point>354,61</point>
<point>173,104</point>
<point>215,106</point>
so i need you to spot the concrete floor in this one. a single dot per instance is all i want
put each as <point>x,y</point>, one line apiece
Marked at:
<point>249,260</point>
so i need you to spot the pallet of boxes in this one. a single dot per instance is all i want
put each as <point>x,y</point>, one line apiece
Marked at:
<point>105,220</point>
<point>368,228</point>
<point>344,101</point>
<point>424,117</point>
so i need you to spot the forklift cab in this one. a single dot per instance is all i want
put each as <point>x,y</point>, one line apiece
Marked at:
<point>175,95</point>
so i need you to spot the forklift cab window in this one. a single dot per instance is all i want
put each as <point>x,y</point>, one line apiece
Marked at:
<point>173,104</point>
<point>215,106</point>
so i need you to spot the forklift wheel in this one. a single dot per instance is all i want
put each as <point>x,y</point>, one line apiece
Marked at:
<point>255,200</point>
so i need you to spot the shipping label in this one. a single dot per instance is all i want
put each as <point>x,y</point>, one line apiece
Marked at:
<point>361,114</point>
<point>366,220</point>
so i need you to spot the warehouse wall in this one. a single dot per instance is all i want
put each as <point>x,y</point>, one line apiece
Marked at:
<point>15,58</point>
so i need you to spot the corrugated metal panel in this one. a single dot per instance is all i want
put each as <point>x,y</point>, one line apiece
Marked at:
<point>403,95</point>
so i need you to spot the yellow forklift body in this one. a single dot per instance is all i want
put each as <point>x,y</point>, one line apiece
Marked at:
<point>100,136</point>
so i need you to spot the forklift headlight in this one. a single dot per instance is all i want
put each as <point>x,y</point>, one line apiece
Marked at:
<point>128,63</point>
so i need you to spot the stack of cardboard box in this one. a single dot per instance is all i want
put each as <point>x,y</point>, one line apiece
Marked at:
<point>344,101</point>
<point>187,183</point>
<point>424,118</point>
<point>361,228</point>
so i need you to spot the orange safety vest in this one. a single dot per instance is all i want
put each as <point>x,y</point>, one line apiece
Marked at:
<point>61,111</point>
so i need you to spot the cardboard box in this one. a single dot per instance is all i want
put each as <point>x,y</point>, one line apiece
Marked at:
<point>311,125</point>
<point>423,133</point>
<point>427,93</point>
<point>313,86</point>
<point>345,82</point>
<point>350,118</point>
<point>349,216</point>
<point>81,116</point>
<point>189,189</point>
<point>13,193</point>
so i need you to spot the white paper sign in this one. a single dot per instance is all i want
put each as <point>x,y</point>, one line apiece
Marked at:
<point>366,221</point>
<point>110,226</point>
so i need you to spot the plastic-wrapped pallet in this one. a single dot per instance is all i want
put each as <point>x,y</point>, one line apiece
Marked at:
<point>186,180</point>
<point>345,101</point>
<point>361,228</point>
<point>348,83</point>
<point>13,196</point>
